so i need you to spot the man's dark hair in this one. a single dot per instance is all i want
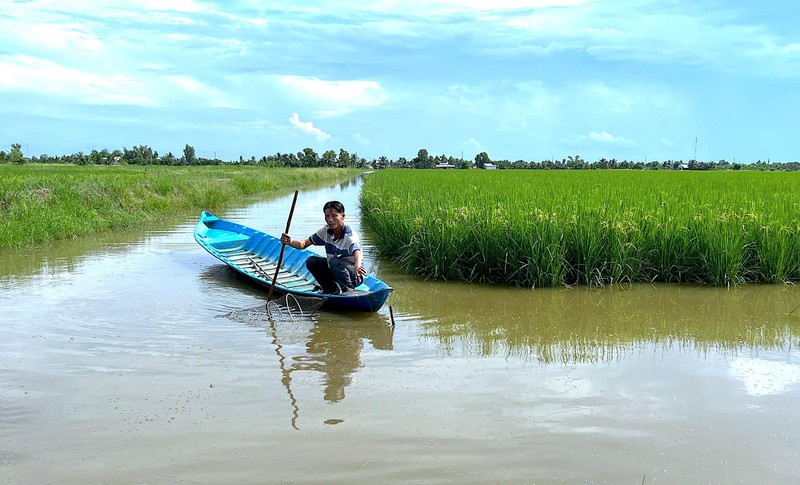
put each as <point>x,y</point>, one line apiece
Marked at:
<point>335,205</point>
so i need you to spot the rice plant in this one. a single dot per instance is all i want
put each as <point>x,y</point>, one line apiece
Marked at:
<point>548,228</point>
<point>40,203</point>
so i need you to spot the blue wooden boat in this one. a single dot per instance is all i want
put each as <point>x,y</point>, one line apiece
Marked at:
<point>255,255</point>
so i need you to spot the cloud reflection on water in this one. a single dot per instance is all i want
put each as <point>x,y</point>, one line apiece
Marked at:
<point>762,377</point>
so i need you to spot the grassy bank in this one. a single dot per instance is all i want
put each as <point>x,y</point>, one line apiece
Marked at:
<point>553,228</point>
<point>40,203</point>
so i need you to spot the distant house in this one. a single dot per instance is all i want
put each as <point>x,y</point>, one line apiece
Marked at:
<point>445,165</point>
<point>489,166</point>
<point>683,166</point>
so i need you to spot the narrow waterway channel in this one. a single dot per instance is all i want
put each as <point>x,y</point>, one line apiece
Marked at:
<point>118,366</point>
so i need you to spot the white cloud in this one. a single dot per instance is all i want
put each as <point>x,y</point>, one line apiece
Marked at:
<point>29,74</point>
<point>781,59</point>
<point>506,4</point>
<point>334,97</point>
<point>203,94</point>
<point>647,31</point>
<point>606,137</point>
<point>186,6</point>
<point>361,139</point>
<point>474,144</point>
<point>76,86</point>
<point>64,37</point>
<point>186,83</point>
<point>308,127</point>
<point>595,138</point>
<point>425,8</point>
<point>167,5</point>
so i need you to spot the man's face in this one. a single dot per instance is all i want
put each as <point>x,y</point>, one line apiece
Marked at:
<point>334,220</point>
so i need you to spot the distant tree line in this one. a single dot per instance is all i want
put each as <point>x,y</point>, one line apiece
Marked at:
<point>308,157</point>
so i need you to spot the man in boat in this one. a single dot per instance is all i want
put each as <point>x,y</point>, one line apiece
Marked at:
<point>341,269</point>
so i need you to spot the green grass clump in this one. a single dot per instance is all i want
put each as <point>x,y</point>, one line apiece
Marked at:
<point>549,228</point>
<point>40,203</point>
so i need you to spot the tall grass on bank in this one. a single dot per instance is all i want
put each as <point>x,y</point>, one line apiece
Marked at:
<point>39,203</point>
<point>554,228</point>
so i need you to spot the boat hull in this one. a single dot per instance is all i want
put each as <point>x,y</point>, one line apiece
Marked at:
<point>254,254</point>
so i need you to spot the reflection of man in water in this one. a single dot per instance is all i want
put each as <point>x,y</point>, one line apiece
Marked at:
<point>335,349</point>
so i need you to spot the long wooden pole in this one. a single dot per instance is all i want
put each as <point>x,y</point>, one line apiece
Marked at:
<point>283,247</point>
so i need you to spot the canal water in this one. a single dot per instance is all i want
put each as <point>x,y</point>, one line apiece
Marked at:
<point>118,365</point>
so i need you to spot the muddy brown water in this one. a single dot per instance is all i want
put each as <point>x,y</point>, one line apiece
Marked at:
<point>117,367</point>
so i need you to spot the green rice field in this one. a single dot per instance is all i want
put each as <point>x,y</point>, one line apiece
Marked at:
<point>40,203</point>
<point>550,228</point>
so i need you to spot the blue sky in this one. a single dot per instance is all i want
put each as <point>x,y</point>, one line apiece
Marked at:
<point>522,79</point>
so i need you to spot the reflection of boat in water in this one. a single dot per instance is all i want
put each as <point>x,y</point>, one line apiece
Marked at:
<point>333,347</point>
<point>255,254</point>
